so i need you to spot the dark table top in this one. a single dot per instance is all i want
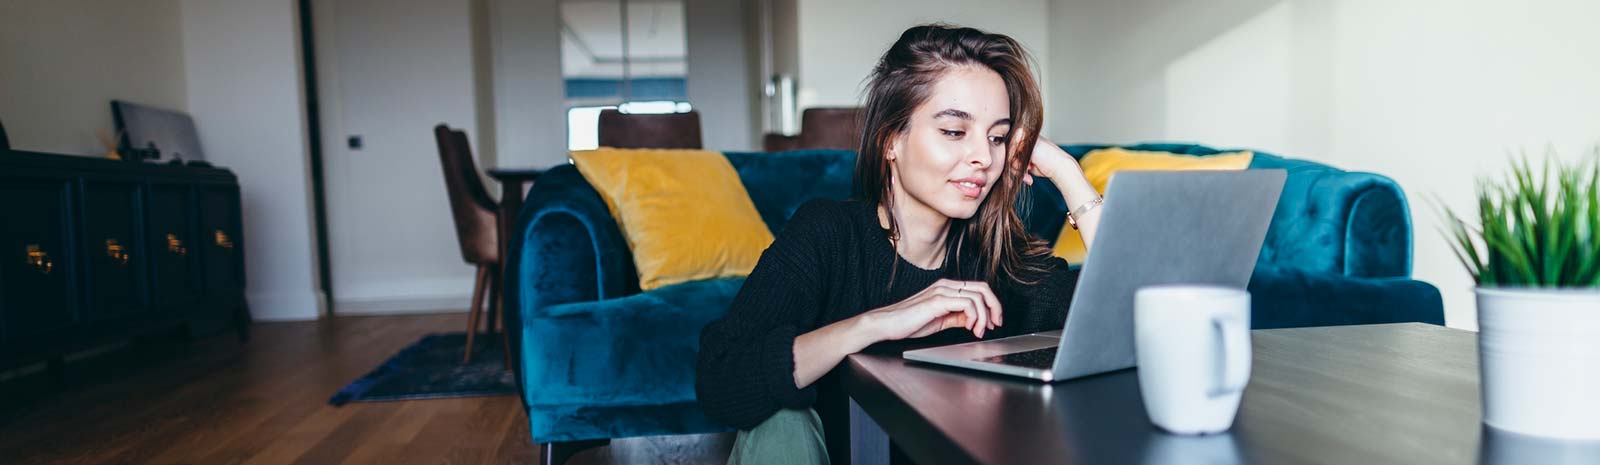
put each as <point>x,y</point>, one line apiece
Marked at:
<point>1402,393</point>
<point>516,174</point>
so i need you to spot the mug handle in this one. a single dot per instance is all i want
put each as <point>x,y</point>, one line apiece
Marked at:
<point>1234,358</point>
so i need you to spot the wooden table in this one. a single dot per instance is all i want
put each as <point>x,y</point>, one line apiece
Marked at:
<point>514,184</point>
<point>1402,393</point>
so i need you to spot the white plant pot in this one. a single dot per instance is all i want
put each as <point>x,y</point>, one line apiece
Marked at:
<point>1539,357</point>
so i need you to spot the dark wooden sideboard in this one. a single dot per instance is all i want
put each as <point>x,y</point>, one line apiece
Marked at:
<point>93,251</point>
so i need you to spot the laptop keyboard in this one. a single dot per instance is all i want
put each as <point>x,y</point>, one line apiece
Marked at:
<point>1042,359</point>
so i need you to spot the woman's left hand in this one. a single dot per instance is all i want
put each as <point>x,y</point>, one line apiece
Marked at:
<point>1049,161</point>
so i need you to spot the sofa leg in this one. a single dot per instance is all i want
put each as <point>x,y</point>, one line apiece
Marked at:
<point>557,453</point>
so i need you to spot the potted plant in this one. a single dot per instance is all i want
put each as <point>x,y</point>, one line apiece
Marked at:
<point>1535,254</point>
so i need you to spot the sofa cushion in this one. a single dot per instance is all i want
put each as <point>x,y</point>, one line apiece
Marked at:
<point>685,213</point>
<point>779,183</point>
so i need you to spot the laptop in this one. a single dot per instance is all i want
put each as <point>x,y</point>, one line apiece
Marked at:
<point>1192,227</point>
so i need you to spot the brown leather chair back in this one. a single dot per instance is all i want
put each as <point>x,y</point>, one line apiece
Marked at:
<point>666,131</point>
<point>830,128</point>
<point>470,204</point>
<point>774,142</point>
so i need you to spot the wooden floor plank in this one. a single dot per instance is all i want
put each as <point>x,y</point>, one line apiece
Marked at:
<point>217,401</point>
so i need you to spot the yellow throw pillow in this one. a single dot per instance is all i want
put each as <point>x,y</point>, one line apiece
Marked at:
<point>685,214</point>
<point>1099,165</point>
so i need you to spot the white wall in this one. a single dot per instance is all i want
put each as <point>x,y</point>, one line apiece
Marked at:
<point>63,61</point>
<point>1108,61</point>
<point>1430,93</point>
<point>841,40</point>
<point>719,81</point>
<point>247,97</point>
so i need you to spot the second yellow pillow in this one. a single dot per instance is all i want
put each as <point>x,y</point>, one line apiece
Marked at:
<point>1099,165</point>
<point>685,213</point>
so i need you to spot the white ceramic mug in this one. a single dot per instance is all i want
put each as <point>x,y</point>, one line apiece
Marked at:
<point>1193,349</point>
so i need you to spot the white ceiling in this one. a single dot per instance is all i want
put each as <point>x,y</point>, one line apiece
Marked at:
<point>591,44</point>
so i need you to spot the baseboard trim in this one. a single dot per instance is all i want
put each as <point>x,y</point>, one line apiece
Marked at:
<point>284,306</point>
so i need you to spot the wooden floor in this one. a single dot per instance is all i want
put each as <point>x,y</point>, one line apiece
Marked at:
<point>219,401</point>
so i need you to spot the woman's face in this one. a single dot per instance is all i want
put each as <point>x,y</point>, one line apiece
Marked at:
<point>954,147</point>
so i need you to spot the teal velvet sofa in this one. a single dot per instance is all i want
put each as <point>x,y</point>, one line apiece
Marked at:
<point>599,359</point>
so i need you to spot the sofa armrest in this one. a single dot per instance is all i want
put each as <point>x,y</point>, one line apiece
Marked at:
<point>1378,238</point>
<point>565,248</point>
<point>1334,221</point>
<point>568,247</point>
<point>1287,298</point>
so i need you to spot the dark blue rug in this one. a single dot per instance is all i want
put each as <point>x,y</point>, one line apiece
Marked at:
<point>431,368</point>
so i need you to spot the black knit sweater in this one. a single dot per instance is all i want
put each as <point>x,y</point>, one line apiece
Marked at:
<point>831,262</point>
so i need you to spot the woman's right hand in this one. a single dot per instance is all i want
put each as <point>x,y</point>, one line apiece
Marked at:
<point>945,304</point>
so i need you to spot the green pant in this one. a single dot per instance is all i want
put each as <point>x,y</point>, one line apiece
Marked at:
<point>791,436</point>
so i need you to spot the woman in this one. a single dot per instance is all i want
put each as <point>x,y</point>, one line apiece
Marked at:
<point>931,241</point>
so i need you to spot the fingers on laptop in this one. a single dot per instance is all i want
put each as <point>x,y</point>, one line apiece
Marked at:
<point>976,297</point>
<point>990,299</point>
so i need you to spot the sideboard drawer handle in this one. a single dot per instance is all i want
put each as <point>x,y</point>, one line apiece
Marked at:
<point>223,240</point>
<point>117,253</point>
<point>175,245</point>
<point>39,259</point>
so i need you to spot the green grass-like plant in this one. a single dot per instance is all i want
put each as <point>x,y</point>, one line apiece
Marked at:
<point>1534,232</point>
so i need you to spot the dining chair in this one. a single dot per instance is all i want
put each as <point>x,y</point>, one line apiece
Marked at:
<point>476,230</point>
<point>820,128</point>
<point>830,128</point>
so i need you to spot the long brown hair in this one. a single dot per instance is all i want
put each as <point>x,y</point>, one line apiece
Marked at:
<point>995,237</point>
